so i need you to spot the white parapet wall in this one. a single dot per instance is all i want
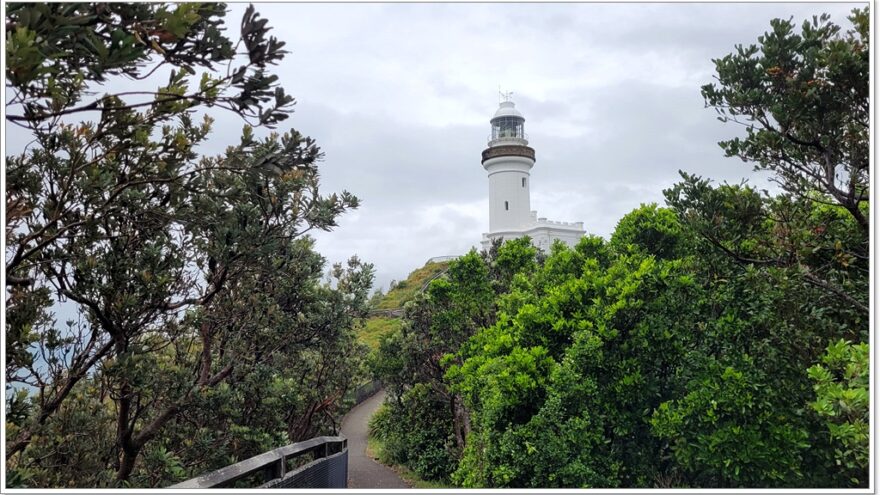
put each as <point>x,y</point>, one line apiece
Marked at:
<point>543,232</point>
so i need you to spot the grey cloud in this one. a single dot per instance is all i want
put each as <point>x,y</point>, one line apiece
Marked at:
<point>399,96</point>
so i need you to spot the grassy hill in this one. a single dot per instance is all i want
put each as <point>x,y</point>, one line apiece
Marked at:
<point>375,327</point>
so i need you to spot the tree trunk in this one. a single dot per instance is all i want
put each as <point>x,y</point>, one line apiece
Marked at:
<point>124,421</point>
<point>460,422</point>
<point>126,464</point>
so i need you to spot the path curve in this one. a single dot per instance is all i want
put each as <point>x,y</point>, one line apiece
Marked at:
<point>364,472</point>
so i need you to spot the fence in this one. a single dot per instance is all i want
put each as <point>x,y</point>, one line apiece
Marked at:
<point>365,391</point>
<point>285,467</point>
<point>442,259</point>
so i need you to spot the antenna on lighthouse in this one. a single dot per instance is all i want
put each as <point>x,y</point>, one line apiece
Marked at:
<point>504,96</point>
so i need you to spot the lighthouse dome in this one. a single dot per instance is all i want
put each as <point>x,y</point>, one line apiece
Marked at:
<point>507,109</point>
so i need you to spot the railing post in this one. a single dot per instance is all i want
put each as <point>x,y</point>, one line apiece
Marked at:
<point>274,470</point>
<point>345,465</point>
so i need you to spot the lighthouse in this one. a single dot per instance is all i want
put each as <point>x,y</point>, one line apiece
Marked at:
<point>508,160</point>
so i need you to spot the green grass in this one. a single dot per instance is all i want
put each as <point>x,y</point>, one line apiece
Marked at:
<point>375,449</point>
<point>407,289</point>
<point>377,327</point>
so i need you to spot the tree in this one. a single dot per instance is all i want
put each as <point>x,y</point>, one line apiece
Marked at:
<point>803,99</point>
<point>66,183</point>
<point>55,51</point>
<point>820,244</point>
<point>652,230</point>
<point>559,388</point>
<point>190,275</point>
<point>412,361</point>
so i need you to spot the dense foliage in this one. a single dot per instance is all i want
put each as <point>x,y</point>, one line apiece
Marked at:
<point>719,341</point>
<point>200,328</point>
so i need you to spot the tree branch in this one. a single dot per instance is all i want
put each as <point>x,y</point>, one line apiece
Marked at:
<point>814,280</point>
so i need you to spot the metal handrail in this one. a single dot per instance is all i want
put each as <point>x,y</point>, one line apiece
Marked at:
<point>272,463</point>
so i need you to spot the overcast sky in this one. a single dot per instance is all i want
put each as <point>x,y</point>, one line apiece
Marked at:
<point>399,96</point>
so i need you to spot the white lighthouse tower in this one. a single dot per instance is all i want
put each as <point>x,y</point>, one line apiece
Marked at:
<point>508,161</point>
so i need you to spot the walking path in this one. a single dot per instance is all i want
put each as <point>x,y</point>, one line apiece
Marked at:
<point>364,472</point>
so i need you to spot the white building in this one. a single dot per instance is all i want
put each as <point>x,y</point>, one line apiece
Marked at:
<point>508,160</point>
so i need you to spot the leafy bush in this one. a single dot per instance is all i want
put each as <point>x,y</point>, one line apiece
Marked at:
<point>415,433</point>
<point>842,400</point>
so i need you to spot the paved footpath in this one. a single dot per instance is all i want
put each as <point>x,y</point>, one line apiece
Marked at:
<point>364,472</point>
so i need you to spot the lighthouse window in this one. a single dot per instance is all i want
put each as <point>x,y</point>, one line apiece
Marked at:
<point>506,206</point>
<point>524,181</point>
<point>507,127</point>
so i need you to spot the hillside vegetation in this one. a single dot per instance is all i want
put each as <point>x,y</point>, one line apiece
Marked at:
<point>380,324</point>
<point>376,327</point>
<point>402,292</point>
